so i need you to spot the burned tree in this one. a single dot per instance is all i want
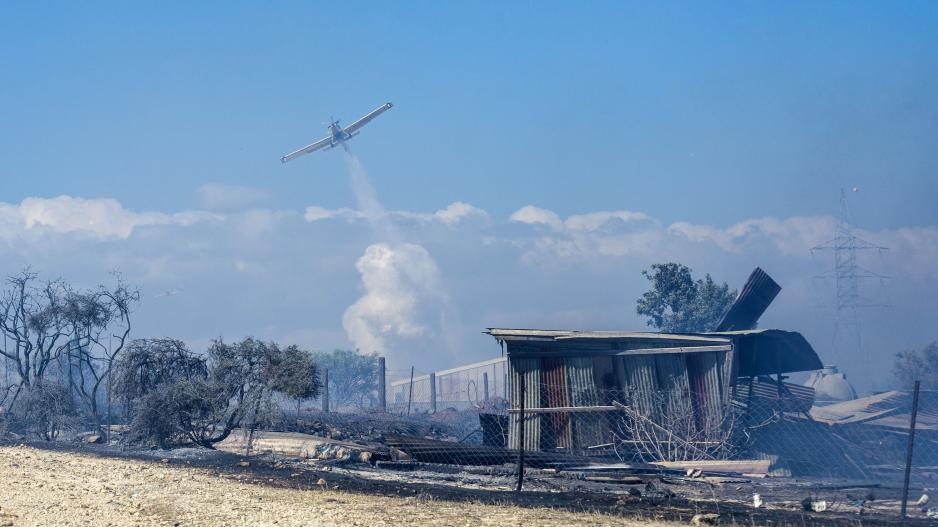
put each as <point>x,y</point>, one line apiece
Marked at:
<point>99,324</point>
<point>32,320</point>
<point>42,322</point>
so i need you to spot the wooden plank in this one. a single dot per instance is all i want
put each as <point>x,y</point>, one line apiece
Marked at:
<point>741,466</point>
<point>620,480</point>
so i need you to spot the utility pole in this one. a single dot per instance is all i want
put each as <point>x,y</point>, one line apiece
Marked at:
<point>382,386</point>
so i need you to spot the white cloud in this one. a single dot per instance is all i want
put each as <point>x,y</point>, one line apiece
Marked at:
<point>314,214</point>
<point>101,218</point>
<point>402,298</point>
<point>218,196</point>
<point>532,215</point>
<point>453,214</point>
<point>790,236</point>
<point>255,222</point>
<point>594,221</point>
<point>582,236</point>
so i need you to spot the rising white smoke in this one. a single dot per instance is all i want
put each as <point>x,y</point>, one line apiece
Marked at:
<point>403,299</point>
<point>404,306</point>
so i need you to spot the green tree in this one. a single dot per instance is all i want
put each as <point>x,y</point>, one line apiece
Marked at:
<point>353,377</point>
<point>676,303</point>
<point>297,376</point>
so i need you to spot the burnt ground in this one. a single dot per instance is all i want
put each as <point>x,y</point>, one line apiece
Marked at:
<point>543,490</point>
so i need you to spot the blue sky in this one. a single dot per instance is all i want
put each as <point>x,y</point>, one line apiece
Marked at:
<point>706,114</point>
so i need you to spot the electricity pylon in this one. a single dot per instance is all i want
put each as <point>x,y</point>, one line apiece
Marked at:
<point>847,344</point>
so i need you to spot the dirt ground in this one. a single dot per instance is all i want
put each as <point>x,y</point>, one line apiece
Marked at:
<point>48,487</point>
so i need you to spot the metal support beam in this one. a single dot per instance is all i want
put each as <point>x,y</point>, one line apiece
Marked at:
<point>433,393</point>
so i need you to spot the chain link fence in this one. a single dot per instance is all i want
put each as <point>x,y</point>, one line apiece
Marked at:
<point>763,444</point>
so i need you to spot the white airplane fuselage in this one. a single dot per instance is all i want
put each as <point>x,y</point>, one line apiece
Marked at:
<point>338,134</point>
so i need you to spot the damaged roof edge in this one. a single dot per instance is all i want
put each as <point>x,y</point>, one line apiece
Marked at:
<point>552,334</point>
<point>761,351</point>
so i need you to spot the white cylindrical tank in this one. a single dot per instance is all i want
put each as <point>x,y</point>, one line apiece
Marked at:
<point>830,386</point>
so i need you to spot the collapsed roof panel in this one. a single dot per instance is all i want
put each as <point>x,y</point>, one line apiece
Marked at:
<point>751,303</point>
<point>771,351</point>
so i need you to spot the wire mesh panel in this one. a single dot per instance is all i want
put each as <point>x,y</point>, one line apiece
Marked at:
<point>458,388</point>
<point>665,427</point>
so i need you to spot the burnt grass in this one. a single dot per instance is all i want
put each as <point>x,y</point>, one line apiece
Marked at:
<point>277,474</point>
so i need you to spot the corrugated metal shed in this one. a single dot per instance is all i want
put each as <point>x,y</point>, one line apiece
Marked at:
<point>657,374</point>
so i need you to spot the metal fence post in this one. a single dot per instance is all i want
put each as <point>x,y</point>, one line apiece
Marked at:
<point>410,391</point>
<point>432,392</point>
<point>908,454</point>
<point>382,386</point>
<point>521,431</point>
<point>485,386</point>
<point>325,389</point>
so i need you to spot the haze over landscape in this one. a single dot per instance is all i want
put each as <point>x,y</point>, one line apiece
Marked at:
<point>535,162</point>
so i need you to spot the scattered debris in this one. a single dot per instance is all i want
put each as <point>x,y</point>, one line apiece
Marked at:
<point>705,519</point>
<point>923,500</point>
<point>757,500</point>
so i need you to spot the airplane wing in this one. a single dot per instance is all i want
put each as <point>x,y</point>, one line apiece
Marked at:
<point>364,120</point>
<point>318,145</point>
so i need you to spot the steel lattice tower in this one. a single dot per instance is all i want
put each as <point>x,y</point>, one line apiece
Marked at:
<point>847,274</point>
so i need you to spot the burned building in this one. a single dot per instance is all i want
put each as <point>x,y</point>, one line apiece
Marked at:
<point>681,395</point>
<point>585,373</point>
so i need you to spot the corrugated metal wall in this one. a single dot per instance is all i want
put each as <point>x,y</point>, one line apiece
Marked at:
<point>587,429</point>
<point>555,393</point>
<point>531,370</point>
<point>695,384</point>
<point>705,371</point>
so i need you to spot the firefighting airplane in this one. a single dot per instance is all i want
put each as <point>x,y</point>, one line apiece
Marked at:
<point>337,134</point>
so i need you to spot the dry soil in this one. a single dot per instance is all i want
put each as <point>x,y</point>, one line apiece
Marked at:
<point>42,487</point>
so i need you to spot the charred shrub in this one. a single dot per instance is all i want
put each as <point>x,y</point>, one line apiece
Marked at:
<point>175,397</point>
<point>45,411</point>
